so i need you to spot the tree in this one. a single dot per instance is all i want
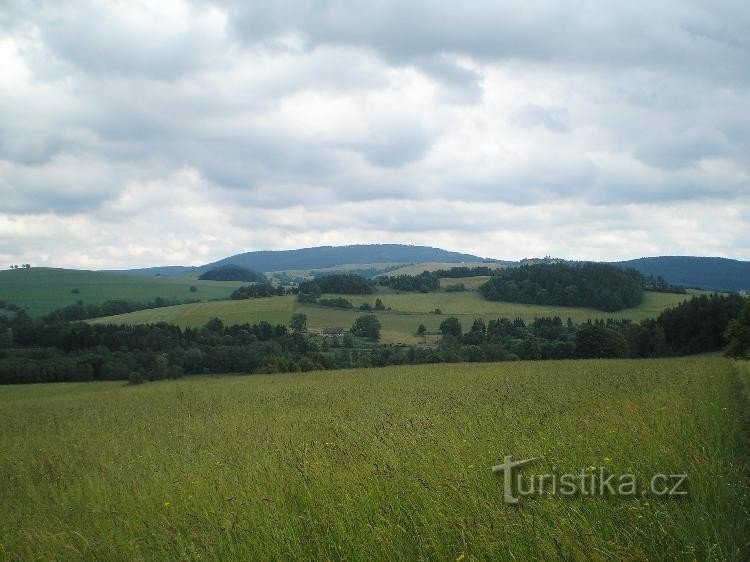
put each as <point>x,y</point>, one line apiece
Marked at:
<point>594,341</point>
<point>421,331</point>
<point>193,289</point>
<point>298,323</point>
<point>367,326</point>
<point>451,326</point>
<point>379,305</point>
<point>6,338</point>
<point>738,335</point>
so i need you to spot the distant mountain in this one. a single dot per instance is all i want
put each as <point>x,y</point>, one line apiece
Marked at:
<point>331,256</point>
<point>719,274</point>
<point>318,258</point>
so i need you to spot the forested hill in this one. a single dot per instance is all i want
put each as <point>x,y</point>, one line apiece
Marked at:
<point>719,274</point>
<point>330,256</point>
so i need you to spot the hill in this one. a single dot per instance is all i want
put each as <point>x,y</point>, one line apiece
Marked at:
<point>41,290</point>
<point>717,274</point>
<point>408,311</point>
<point>330,256</point>
<point>321,257</point>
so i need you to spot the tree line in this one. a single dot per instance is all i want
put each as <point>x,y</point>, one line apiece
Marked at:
<point>52,350</point>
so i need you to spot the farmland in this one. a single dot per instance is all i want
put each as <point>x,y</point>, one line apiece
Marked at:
<point>408,310</point>
<point>42,290</point>
<point>389,464</point>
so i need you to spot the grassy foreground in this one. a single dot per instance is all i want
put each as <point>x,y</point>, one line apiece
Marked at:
<point>374,464</point>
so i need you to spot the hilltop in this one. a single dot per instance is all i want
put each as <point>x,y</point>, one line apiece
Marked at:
<point>322,257</point>
<point>717,274</point>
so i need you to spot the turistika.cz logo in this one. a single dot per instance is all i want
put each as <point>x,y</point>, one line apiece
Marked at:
<point>588,482</point>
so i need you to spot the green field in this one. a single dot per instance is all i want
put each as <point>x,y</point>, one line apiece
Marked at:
<point>408,311</point>
<point>389,464</point>
<point>41,290</point>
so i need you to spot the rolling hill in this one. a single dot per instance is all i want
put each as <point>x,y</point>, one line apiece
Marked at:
<point>718,274</point>
<point>41,290</point>
<point>408,311</point>
<point>322,257</point>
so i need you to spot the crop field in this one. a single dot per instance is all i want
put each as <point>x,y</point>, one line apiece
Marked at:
<point>42,290</point>
<point>408,311</point>
<point>389,463</point>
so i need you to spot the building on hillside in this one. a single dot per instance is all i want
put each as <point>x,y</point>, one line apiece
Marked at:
<point>332,332</point>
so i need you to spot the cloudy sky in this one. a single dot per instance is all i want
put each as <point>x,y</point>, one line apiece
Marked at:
<point>137,133</point>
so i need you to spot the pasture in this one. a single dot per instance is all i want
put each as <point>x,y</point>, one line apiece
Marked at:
<point>399,325</point>
<point>389,463</point>
<point>41,290</point>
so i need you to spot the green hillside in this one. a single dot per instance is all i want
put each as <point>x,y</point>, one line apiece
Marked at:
<point>376,464</point>
<point>40,290</point>
<point>408,310</point>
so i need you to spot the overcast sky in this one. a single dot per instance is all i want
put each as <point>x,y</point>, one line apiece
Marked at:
<point>138,133</point>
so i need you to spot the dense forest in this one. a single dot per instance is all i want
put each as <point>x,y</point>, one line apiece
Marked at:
<point>423,283</point>
<point>49,351</point>
<point>232,272</point>
<point>589,285</point>
<point>698,324</point>
<point>340,283</point>
<point>256,291</point>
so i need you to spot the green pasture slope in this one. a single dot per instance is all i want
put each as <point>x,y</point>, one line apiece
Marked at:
<point>41,290</point>
<point>408,311</point>
<point>386,464</point>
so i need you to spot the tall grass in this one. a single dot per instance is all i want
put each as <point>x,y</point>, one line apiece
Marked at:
<point>373,464</point>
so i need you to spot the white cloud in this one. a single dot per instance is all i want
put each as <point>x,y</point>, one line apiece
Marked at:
<point>179,132</point>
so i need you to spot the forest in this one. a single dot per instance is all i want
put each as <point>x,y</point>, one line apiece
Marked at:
<point>591,285</point>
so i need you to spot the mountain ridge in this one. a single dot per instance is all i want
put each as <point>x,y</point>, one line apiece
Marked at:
<point>713,273</point>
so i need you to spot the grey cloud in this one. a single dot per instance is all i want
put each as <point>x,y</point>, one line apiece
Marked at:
<point>555,119</point>
<point>459,84</point>
<point>602,33</point>
<point>103,40</point>
<point>679,149</point>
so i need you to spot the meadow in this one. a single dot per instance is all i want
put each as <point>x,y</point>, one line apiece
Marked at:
<point>389,463</point>
<point>399,325</point>
<point>41,290</point>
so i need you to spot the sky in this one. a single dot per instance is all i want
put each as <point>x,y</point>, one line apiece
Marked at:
<point>140,133</point>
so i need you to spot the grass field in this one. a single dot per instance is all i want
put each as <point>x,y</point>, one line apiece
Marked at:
<point>408,311</point>
<point>388,464</point>
<point>41,290</point>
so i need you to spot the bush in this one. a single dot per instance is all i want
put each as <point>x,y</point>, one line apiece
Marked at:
<point>338,302</point>
<point>451,326</point>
